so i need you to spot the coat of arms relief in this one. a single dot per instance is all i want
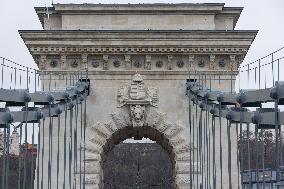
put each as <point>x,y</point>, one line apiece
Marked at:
<point>137,96</point>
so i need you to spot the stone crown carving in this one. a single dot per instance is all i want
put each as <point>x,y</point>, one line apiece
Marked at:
<point>137,94</point>
<point>137,97</point>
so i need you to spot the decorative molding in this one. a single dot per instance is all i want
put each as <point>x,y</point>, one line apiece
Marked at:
<point>180,63</point>
<point>74,63</point>
<point>84,61</point>
<point>105,63</point>
<point>222,63</point>
<point>63,59</point>
<point>42,62</point>
<point>143,62</point>
<point>190,62</point>
<point>137,63</point>
<point>170,62</point>
<point>148,62</point>
<point>95,63</point>
<point>201,63</point>
<point>233,58</point>
<point>53,63</point>
<point>212,62</point>
<point>116,63</point>
<point>159,64</point>
<point>152,74</point>
<point>136,50</point>
<point>127,59</point>
<point>233,63</point>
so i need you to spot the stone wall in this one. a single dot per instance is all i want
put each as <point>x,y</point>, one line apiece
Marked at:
<point>185,16</point>
<point>165,43</point>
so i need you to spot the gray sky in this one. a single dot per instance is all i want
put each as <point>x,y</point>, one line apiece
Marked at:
<point>263,15</point>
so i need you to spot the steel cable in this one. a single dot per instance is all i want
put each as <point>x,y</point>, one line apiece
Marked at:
<point>65,146</point>
<point>70,146</point>
<point>257,160</point>
<point>8,157</point>
<point>198,146</point>
<point>220,145</point>
<point>214,147</point>
<point>38,152</point>
<point>229,153</point>
<point>20,160</point>
<point>81,137</point>
<point>58,150</point>
<point>26,145</point>
<point>4,158</point>
<point>85,125</point>
<point>191,148</point>
<point>42,153</point>
<point>248,156</point>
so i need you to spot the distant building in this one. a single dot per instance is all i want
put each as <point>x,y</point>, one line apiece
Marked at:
<point>14,142</point>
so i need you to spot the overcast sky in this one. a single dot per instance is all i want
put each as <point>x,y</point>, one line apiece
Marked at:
<point>264,15</point>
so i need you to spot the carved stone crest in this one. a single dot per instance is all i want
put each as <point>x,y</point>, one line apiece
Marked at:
<point>137,93</point>
<point>137,97</point>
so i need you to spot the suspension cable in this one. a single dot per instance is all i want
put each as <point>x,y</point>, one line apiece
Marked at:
<point>220,145</point>
<point>229,153</point>
<point>191,148</point>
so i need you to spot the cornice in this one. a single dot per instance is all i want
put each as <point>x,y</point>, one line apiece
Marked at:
<point>145,72</point>
<point>152,7</point>
<point>141,31</point>
<point>38,49</point>
<point>168,35</point>
<point>181,38</point>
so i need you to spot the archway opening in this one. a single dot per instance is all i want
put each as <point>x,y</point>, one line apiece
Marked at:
<point>138,158</point>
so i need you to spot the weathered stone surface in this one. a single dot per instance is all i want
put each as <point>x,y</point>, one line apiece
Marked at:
<point>107,17</point>
<point>139,36</point>
<point>182,167</point>
<point>92,179</point>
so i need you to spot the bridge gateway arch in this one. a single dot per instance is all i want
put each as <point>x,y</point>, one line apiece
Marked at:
<point>138,58</point>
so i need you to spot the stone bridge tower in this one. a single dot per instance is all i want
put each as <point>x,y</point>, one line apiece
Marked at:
<point>138,58</point>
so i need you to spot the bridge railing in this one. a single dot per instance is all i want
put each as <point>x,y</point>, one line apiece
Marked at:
<point>251,126</point>
<point>28,99</point>
<point>260,137</point>
<point>263,72</point>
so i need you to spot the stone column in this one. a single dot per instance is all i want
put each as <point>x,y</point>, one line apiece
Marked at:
<point>190,62</point>
<point>212,62</point>
<point>42,62</point>
<point>84,61</point>
<point>127,59</point>
<point>170,62</point>
<point>148,62</point>
<point>105,63</point>
<point>63,64</point>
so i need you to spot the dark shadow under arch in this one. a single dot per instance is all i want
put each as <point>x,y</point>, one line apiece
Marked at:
<point>121,156</point>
